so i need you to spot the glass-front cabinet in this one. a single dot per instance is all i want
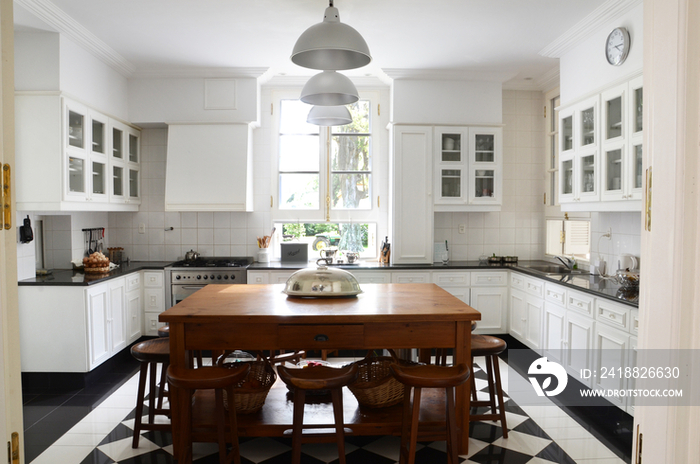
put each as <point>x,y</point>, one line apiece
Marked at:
<point>76,160</point>
<point>467,169</point>
<point>601,150</point>
<point>125,162</point>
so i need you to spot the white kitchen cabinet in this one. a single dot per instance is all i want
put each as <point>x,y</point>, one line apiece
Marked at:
<point>454,282</point>
<point>258,277</point>
<point>601,148</point>
<point>62,159</point>
<point>526,312</point>
<point>468,168</point>
<point>554,332</point>
<point>153,301</point>
<point>492,303</point>
<point>98,333</point>
<point>372,277</point>
<point>410,277</point>
<point>117,314</point>
<point>611,353</point>
<point>613,314</point>
<point>134,306</point>
<point>217,158</point>
<point>411,169</point>
<point>578,344</point>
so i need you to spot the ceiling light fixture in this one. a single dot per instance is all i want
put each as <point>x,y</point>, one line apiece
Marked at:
<point>329,88</point>
<point>331,45</point>
<point>329,116</point>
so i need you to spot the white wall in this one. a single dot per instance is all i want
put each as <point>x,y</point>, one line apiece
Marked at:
<point>626,237</point>
<point>584,69</point>
<point>438,102</point>
<point>36,61</point>
<point>517,230</point>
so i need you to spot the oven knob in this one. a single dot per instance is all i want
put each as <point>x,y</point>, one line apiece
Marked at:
<point>199,277</point>
<point>212,277</point>
<point>226,277</point>
<point>177,277</point>
<point>205,277</point>
<point>218,277</point>
<point>233,276</point>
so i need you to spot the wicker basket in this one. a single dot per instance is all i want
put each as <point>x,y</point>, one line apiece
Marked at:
<point>375,386</point>
<point>251,392</point>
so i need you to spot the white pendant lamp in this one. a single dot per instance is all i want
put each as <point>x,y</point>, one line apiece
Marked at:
<point>329,88</point>
<point>331,45</point>
<point>329,116</point>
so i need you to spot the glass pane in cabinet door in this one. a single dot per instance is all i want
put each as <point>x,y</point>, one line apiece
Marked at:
<point>638,107</point>
<point>568,177</point>
<point>75,129</point>
<point>133,148</point>
<point>98,136</point>
<point>118,181</point>
<point>98,178</point>
<point>76,175</point>
<point>451,147</point>
<point>117,149</point>
<point>614,112</point>
<point>638,167</point>
<point>451,183</point>
<point>567,133</point>
<point>614,169</point>
<point>483,183</point>
<point>485,148</point>
<point>133,183</point>
<point>587,127</point>
<point>588,174</point>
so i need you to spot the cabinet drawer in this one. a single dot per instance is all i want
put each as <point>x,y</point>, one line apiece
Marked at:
<point>612,314</point>
<point>133,281</point>
<point>152,324</point>
<point>372,277</point>
<point>280,277</point>
<point>489,279</point>
<point>153,300</point>
<point>410,277</point>
<point>153,279</point>
<point>555,294</point>
<point>634,322</point>
<point>517,280</point>
<point>534,287</point>
<point>316,337</point>
<point>580,302</point>
<point>451,279</point>
<point>258,277</point>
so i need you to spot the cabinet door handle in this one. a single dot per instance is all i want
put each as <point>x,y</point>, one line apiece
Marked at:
<point>321,338</point>
<point>612,316</point>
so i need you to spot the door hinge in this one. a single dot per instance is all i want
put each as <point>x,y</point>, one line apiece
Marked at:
<point>647,202</point>
<point>638,454</point>
<point>379,109</point>
<point>272,201</point>
<point>545,198</point>
<point>545,112</point>
<point>14,455</point>
<point>562,237</point>
<point>6,197</point>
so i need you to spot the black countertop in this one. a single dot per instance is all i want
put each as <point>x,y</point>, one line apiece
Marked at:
<point>594,285</point>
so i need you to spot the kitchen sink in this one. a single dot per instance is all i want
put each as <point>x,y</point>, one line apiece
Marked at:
<point>554,269</point>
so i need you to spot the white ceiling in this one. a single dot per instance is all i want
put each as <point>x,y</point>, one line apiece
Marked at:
<point>496,38</point>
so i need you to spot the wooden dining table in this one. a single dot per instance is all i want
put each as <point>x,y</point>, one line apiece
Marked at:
<point>262,317</point>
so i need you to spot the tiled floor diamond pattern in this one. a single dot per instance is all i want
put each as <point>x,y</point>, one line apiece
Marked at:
<point>527,442</point>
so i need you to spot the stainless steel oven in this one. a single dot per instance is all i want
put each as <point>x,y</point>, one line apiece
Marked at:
<point>183,278</point>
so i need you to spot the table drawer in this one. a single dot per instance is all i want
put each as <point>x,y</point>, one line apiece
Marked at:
<point>555,294</point>
<point>316,337</point>
<point>410,334</point>
<point>488,279</point>
<point>612,314</point>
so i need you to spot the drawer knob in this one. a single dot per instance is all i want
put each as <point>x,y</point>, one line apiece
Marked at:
<point>612,316</point>
<point>321,338</point>
<point>580,304</point>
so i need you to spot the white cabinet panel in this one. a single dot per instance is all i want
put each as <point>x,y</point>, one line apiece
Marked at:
<point>117,314</point>
<point>554,332</point>
<point>613,314</point>
<point>451,279</point>
<point>133,314</point>
<point>579,338</point>
<point>133,281</point>
<point>97,306</point>
<point>611,354</point>
<point>152,324</point>
<point>407,277</point>
<point>517,314</point>
<point>372,277</point>
<point>280,277</point>
<point>489,278</point>
<point>153,279</point>
<point>492,303</point>
<point>526,318</point>
<point>580,302</point>
<point>258,277</point>
<point>555,293</point>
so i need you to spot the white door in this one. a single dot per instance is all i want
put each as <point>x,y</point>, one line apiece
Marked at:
<point>133,314</point>
<point>553,329</point>
<point>517,314</point>
<point>98,323</point>
<point>117,315</point>
<point>491,303</point>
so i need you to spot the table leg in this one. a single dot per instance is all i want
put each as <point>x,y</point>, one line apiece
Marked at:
<point>180,402</point>
<point>462,354</point>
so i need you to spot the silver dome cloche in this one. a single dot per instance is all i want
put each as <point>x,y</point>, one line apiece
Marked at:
<point>323,282</point>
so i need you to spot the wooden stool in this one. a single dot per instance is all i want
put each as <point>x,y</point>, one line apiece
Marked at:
<point>428,376</point>
<point>490,348</point>
<point>218,379</point>
<point>317,378</point>
<point>151,353</point>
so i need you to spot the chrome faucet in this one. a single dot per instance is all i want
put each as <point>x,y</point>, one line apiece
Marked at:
<point>568,262</point>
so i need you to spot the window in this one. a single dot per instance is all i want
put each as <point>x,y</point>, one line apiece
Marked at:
<point>326,179</point>
<point>569,238</point>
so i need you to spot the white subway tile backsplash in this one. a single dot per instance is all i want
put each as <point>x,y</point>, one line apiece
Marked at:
<point>222,220</point>
<point>222,237</point>
<point>156,220</point>
<point>205,220</point>
<point>205,236</point>
<point>188,220</point>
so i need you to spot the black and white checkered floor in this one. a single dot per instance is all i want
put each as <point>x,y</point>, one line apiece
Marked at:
<point>537,435</point>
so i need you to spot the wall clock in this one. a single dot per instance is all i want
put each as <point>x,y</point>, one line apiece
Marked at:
<point>617,46</point>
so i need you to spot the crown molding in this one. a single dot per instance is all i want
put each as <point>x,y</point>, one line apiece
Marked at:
<point>195,73</point>
<point>608,11</point>
<point>64,24</point>
<point>449,74</point>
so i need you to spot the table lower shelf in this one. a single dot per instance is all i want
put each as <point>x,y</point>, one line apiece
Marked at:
<point>276,415</point>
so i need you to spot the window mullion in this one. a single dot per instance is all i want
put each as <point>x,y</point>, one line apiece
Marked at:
<point>325,173</point>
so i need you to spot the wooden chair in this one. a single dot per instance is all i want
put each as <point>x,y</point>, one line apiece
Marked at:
<point>218,379</point>
<point>428,376</point>
<point>489,347</point>
<point>151,353</point>
<point>317,378</point>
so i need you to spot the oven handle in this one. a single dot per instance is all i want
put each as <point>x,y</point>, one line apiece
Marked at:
<point>192,287</point>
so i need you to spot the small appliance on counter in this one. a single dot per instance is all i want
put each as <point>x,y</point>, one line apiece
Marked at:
<point>294,252</point>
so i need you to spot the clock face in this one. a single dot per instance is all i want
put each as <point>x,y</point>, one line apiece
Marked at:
<point>617,46</point>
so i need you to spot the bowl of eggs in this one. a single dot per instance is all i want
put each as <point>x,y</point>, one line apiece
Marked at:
<point>96,263</point>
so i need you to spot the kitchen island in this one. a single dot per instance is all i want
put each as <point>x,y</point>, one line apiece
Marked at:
<point>261,317</point>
